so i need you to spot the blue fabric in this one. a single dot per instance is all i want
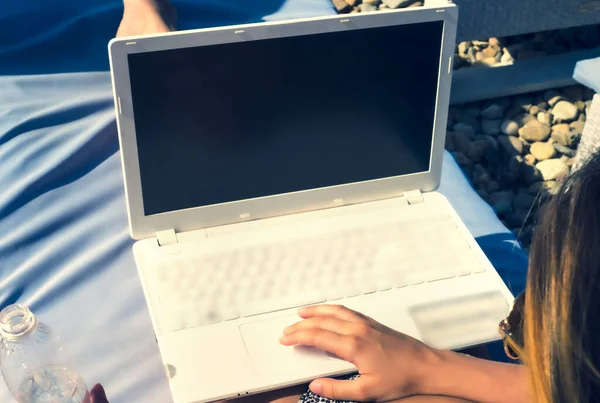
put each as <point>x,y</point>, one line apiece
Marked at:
<point>65,249</point>
<point>64,243</point>
<point>587,72</point>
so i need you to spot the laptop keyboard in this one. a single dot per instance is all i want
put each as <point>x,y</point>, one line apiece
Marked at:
<point>212,287</point>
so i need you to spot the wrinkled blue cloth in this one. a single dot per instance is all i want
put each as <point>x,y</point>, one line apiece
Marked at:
<point>65,249</point>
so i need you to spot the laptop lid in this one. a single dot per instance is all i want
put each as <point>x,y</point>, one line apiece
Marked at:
<point>223,125</point>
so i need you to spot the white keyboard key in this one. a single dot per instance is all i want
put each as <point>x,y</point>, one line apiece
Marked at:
<point>272,305</point>
<point>335,294</point>
<point>439,273</point>
<point>384,283</point>
<point>173,320</point>
<point>228,313</point>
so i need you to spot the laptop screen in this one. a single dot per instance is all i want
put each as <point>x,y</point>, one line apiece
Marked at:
<point>237,121</point>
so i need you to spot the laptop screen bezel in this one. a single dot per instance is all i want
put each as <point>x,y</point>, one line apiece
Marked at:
<point>144,226</point>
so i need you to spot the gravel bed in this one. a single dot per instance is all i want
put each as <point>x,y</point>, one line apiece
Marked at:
<point>514,149</point>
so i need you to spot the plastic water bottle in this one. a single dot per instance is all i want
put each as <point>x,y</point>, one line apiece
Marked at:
<point>33,361</point>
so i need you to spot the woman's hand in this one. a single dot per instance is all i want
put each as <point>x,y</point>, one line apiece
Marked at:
<point>392,365</point>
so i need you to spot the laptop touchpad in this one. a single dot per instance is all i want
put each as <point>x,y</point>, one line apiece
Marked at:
<point>268,356</point>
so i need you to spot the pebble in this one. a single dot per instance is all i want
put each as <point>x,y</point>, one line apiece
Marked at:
<point>494,111</point>
<point>552,97</point>
<point>476,150</point>
<point>353,2</point>
<point>526,145</point>
<point>506,57</point>
<point>510,128</point>
<point>490,51</point>
<point>531,173</point>
<point>461,142</point>
<point>463,48</point>
<point>534,110</point>
<point>489,61</point>
<point>564,111</point>
<point>366,7</point>
<point>543,150</point>
<point>535,131</point>
<point>492,186</point>
<point>545,118</point>
<point>494,42</point>
<point>530,159</point>
<point>397,3</point>
<point>563,134</point>
<point>462,159</point>
<point>465,128</point>
<point>552,169</point>
<point>512,220</point>
<point>491,127</point>
<point>577,128</point>
<point>481,44</point>
<point>564,150</point>
<point>523,119</point>
<point>512,145</point>
<point>502,207</point>
<point>342,6</point>
<point>523,201</point>
<point>503,194</point>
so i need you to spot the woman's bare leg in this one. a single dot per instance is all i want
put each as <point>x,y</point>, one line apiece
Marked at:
<point>144,17</point>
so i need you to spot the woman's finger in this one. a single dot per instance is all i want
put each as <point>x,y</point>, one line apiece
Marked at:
<point>344,390</point>
<point>345,347</point>
<point>330,323</point>
<point>337,311</point>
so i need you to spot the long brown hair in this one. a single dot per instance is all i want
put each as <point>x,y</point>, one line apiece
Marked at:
<point>562,308</point>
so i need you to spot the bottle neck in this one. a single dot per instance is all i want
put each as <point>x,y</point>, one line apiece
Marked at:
<point>16,322</point>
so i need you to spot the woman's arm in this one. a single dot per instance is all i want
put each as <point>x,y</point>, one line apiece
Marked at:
<point>475,379</point>
<point>431,399</point>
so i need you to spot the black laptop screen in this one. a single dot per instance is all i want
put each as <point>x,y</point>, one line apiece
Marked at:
<point>230,122</point>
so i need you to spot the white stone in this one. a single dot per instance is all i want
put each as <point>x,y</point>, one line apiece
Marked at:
<point>552,169</point>
<point>543,150</point>
<point>510,128</point>
<point>565,111</point>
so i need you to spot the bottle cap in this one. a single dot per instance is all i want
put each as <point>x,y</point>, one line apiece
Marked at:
<point>16,322</point>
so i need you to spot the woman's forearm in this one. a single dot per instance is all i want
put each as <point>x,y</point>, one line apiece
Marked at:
<point>476,379</point>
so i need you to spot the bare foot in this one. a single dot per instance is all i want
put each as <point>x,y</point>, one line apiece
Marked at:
<point>144,17</point>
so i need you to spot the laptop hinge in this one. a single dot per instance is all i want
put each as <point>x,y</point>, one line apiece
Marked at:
<point>167,237</point>
<point>414,196</point>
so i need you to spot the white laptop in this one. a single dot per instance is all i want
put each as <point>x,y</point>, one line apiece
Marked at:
<point>274,165</point>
